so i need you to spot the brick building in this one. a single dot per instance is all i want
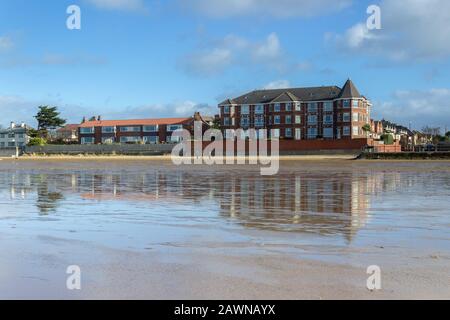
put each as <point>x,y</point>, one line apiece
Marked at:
<point>149,131</point>
<point>327,113</point>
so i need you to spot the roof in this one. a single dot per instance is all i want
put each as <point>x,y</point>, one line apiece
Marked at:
<point>297,94</point>
<point>69,127</point>
<point>285,97</point>
<point>135,122</point>
<point>349,91</point>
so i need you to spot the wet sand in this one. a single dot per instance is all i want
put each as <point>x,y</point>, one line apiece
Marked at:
<point>150,230</point>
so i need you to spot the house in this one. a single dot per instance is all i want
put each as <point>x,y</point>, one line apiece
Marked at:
<point>14,136</point>
<point>326,113</point>
<point>376,128</point>
<point>68,133</point>
<point>145,131</point>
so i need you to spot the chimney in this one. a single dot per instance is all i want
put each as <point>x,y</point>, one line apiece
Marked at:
<point>197,116</point>
<point>22,125</point>
<point>99,118</point>
<point>13,125</point>
<point>84,120</point>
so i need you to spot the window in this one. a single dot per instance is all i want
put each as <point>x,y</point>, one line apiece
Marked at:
<point>151,128</point>
<point>11,144</point>
<point>288,132</point>
<point>355,103</point>
<point>312,107</point>
<point>298,119</point>
<point>174,139</point>
<point>346,131</point>
<point>328,132</point>
<point>288,119</point>
<point>107,140</point>
<point>226,121</point>
<point>20,136</point>
<point>245,109</point>
<point>130,139</point>
<point>328,119</point>
<point>288,107</point>
<point>356,131</point>
<point>328,106</point>
<point>275,133</point>
<point>312,119</point>
<point>245,121</point>
<point>2,136</point>
<point>108,129</point>
<point>261,133</point>
<point>174,127</point>
<point>346,103</point>
<point>87,140</point>
<point>346,117</point>
<point>312,133</point>
<point>355,116</point>
<point>87,130</point>
<point>226,110</point>
<point>259,121</point>
<point>130,129</point>
<point>259,109</point>
<point>151,139</point>
<point>277,107</point>
<point>277,120</point>
<point>298,106</point>
<point>298,134</point>
<point>2,144</point>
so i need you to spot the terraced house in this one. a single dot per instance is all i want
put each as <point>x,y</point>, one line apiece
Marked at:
<point>148,131</point>
<point>327,113</point>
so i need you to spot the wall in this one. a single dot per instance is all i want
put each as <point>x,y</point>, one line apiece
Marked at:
<point>7,152</point>
<point>127,149</point>
<point>287,147</point>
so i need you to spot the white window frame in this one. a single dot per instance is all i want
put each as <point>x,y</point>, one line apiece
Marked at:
<point>346,131</point>
<point>87,140</point>
<point>155,128</point>
<point>298,119</point>
<point>298,134</point>
<point>245,109</point>
<point>277,120</point>
<point>312,119</point>
<point>259,109</point>
<point>328,133</point>
<point>328,106</point>
<point>87,130</point>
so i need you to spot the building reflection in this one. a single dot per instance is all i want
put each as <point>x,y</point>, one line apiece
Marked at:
<point>291,202</point>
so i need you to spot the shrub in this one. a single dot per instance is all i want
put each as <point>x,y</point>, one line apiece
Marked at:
<point>388,139</point>
<point>37,142</point>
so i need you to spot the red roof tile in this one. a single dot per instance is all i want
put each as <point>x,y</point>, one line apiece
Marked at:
<point>136,122</point>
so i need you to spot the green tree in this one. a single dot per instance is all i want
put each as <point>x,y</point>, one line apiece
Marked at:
<point>367,129</point>
<point>216,124</point>
<point>48,119</point>
<point>388,139</point>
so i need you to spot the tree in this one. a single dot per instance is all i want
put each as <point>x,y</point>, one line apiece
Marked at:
<point>447,134</point>
<point>48,119</point>
<point>367,129</point>
<point>216,124</point>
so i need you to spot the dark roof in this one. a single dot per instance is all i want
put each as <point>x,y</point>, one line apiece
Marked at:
<point>302,94</point>
<point>286,97</point>
<point>349,91</point>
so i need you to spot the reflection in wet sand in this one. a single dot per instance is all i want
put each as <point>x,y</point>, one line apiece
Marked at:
<point>294,202</point>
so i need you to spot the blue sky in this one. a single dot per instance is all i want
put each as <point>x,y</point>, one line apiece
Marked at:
<point>139,58</point>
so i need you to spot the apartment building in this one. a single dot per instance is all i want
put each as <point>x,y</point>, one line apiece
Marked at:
<point>14,136</point>
<point>147,131</point>
<point>299,113</point>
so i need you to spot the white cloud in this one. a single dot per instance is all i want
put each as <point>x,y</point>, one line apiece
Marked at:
<point>208,63</point>
<point>421,107</point>
<point>279,84</point>
<point>412,30</point>
<point>175,109</point>
<point>234,51</point>
<point>6,43</point>
<point>265,8</point>
<point>124,5</point>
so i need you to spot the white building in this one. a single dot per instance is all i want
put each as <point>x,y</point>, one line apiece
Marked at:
<point>14,136</point>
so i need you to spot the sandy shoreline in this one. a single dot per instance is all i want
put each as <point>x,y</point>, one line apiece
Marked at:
<point>202,274</point>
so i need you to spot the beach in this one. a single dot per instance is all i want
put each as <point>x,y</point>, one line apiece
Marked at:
<point>150,230</point>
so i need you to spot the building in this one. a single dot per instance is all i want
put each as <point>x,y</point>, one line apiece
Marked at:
<point>376,128</point>
<point>326,113</point>
<point>14,136</point>
<point>68,133</point>
<point>145,131</point>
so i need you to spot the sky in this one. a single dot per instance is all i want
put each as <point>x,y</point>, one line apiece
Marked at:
<point>156,58</point>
